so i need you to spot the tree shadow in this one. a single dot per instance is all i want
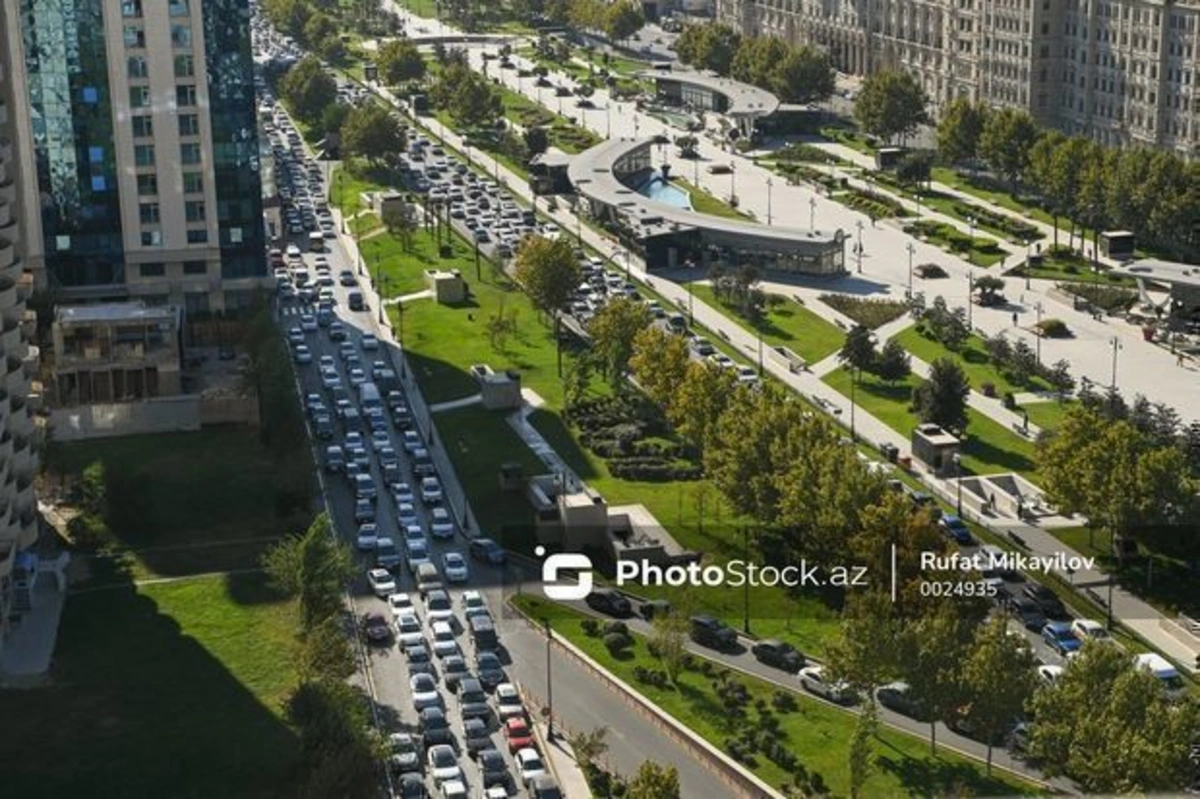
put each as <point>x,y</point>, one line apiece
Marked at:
<point>936,777</point>
<point>554,429</point>
<point>1005,459</point>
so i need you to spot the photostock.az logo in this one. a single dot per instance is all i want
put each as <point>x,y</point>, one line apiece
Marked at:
<point>573,561</point>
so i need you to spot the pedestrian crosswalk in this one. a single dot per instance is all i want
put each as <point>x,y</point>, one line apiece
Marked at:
<point>297,310</point>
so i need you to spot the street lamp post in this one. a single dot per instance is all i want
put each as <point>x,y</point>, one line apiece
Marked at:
<point>1116,347</point>
<point>608,120</point>
<point>970,295</point>
<point>768,201</point>
<point>971,243</point>
<point>859,225</point>
<point>1037,332</point>
<point>911,249</point>
<point>746,585</point>
<point>812,218</point>
<point>691,316</point>
<point>853,400</point>
<point>958,475</point>
<point>400,337</point>
<point>1028,266</point>
<point>732,181</point>
<point>549,684</point>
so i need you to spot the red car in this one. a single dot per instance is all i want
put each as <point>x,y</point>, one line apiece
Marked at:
<point>376,628</point>
<point>516,732</point>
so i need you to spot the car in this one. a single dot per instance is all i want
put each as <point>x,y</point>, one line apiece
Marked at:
<point>493,769</point>
<point>454,789</point>
<point>364,512</point>
<point>431,490</point>
<point>472,699</point>
<point>400,604</point>
<point>454,670</point>
<point>405,753</point>
<point>1049,675</point>
<point>508,702</point>
<point>517,734</point>
<point>414,536</point>
<point>773,652</point>
<point>302,354</point>
<point>295,336</point>
<point>703,347</point>
<point>473,604</point>
<point>440,525</point>
<point>1058,636</point>
<point>486,550</point>
<point>388,458</point>
<point>406,515</point>
<point>418,553</point>
<point>544,786</point>
<point>357,377</point>
<point>411,786</point>
<point>423,688</point>
<point>364,486</point>
<point>713,633</point>
<point>957,529</point>
<point>418,659</point>
<point>444,644</point>
<point>721,359</point>
<point>346,278</point>
<point>369,342</point>
<point>380,440</point>
<point>1028,612</point>
<point>367,538</point>
<point>337,331</point>
<point>898,696</point>
<point>308,323</point>
<point>489,669</point>
<point>529,764</point>
<point>411,441</point>
<point>409,631</point>
<point>438,608</point>
<point>402,493</point>
<point>376,628</point>
<point>814,680</point>
<point>1049,602</point>
<point>443,764</point>
<point>382,583</point>
<point>335,459</point>
<point>454,566</point>
<point>476,736</point>
<point>1088,630</point>
<point>609,601</point>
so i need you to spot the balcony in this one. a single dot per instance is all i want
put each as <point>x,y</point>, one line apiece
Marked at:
<point>8,556</point>
<point>6,449</point>
<point>7,254</point>
<point>8,287</point>
<point>5,213</point>
<point>11,340</point>
<point>32,360</point>
<point>3,113</point>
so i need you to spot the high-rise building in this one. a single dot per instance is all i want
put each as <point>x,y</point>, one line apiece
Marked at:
<point>136,126</point>
<point>18,364</point>
<point>1124,72</point>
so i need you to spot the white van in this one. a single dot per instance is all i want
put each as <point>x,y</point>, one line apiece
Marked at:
<point>1161,668</point>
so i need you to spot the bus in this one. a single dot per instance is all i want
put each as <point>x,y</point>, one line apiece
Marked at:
<point>316,241</point>
<point>368,396</point>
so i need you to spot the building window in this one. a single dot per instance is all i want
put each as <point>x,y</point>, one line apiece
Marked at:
<point>139,96</point>
<point>96,155</point>
<point>147,185</point>
<point>148,212</point>
<point>143,127</point>
<point>194,210</point>
<point>131,9</point>
<point>185,96</point>
<point>99,183</point>
<point>189,153</point>
<point>90,95</point>
<point>189,125</point>
<point>137,66</point>
<point>193,183</point>
<point>185,66</point>
<point>197,236</point>
<point>153,269</point>
<point>195,267</point>
<point>195,302</point>
<point>178,8</point>
<point>151,238</point>
<point>181,35</point>
<point>135,36</point>
<point>143,154</point>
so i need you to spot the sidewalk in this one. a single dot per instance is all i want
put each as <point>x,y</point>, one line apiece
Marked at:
<point>566,769</point>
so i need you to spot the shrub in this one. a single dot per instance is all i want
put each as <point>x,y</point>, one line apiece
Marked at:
<point>1054,328</point>
<point>872,313</point>
<point>591,627</point>
<point>618,627</point>
<point>988,389</point>
<point>616,643</point>
<point>1010,401</point>
<point>88,531</point>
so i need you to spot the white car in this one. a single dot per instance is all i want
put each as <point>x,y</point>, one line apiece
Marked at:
<point>444,644</point>
<point>431,490</point>
<point>380,439</point>
<point>440,525</point>
<point>417,554</point>
<point>409,631</point>
<point>400,604</point>
<point>308,323</point>
<point>454,566</point>
<point>414,536</point>
<point>412,441</point>
<point>747,375</point>
<point>508,702</point>
<point>443,764</point>
<point>455,789</point>
<point>369,342</point>
<point>1050,674</point>
<point>814,680</point>
<point>529,764</point>
<point>1088,630</point>
<point>406,515</point>
<point>438,608</point>
<point>424,691</point>
<point>382,582</point>
<point>368,537</point>
<point>721,359</point>
<point>402,493</point>
<point>473,602</point>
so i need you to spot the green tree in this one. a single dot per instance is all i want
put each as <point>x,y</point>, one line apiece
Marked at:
<point>894,363</point>
<point>804,75</point>
<point>934,647</point>
<point>325,652</point>
<point>1090,208</point>
<point>1007,138</point>
<point>1041,173</point>
<point>1062,181</point>
<point>1132,742</point>
<point>998,679</point>
<point>659,364</point>
<point>915,168</point>
<point>942,399</point>
<point>864,653</point>
<point>549,272</point>
<point>613,329</point>
<point>371,132</point>
<point>536,140</point>
<point>400,61</point>
<point>401,221</point>
<point>340,753</point>
<point>858,351</point>
<point>699,401</point>
<point>990,289</point>
<point>313,568</point>
<point>308,89</point>
<point>891,104</point>
<point>861,754</point>
<point>959,130</point>
<point>670,640</point>
<point>289,16</point>
<point>622,19</point>
<point>654,781</point>
<point>757,59</point>
<point>885,519</point>
<point>321,34</point>
<point>589,746</point>
<point>717,45</point>
<point>333,117</point>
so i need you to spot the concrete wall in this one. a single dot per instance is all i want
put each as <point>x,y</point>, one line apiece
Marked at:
<point>159,415</point>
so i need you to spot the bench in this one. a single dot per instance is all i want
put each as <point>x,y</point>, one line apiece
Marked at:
<point>1017,539</point>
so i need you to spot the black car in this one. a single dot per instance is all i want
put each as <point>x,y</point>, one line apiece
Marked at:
<point>412,786</point>
<point>1028,612</point>
<point>476,736</point>
<point>898,696</point>
<point>1047,600</point>
<point>492,767</point>
<point>774,652</point>
<point>654,608</point>
<point>434,727</point>
<point>712,633</point>
<point>610,601</point>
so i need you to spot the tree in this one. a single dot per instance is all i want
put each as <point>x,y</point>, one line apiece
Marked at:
<point>659,363</point>
<point>623,19</point>
<point>1059,378</point>
<point>536,140</point>
<point>891,104</point>
<point>670,641</point>
<point>469,97</point>
<point>313,568</point>
<point>1042,173</point>
<point>709,46</point>
<point>915,168</point>
<point>334,117</point>
<point>687,145</point>
<point>340,751</point>
<point>757,59</point>
<point>613,329</point>
<point>893,363</point>
<point>886,523</point>
<point>549,272</point>
<point>942,399</point>
<point>1007,137</point>
<point>654,781</point>
<point>858,351</point>
<point>589,746</point>
<point>1135,741</point>
<point>321,34</point>
<point>804,75</point>
<point>308,89</point>
<point>289,16</point>
<point>696,406</point>
<point>371,132</point>
<point>959,130</point>
<point>990,289</point>
<point>400,61</point>
<point>934,648</point>
<point>864,654</point>
<point>998,679</point>
<point>325,652</point>
<point>861,755</point>
<point>402,222</point>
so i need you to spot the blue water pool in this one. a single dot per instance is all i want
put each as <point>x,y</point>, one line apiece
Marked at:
<point>658,189</point>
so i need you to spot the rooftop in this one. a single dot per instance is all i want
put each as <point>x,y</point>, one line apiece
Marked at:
<point>1161,271</point>
<point>744,99</point>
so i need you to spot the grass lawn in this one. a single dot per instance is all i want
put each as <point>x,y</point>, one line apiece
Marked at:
<point>972,357</point>
<point>179,686</point>
<point>1071,270</point>
<point>422,8</point>
<point>983,251</point>
<point>173,489</point>
<point>816,733</point>
<point>705,203</point>
<point>787,323</point>
<point>405,271</point>
<point>1003,199</point>
<point>1047,415</point>
<point>850,138</point>
<point>347,188</point>
<point>990,447</point>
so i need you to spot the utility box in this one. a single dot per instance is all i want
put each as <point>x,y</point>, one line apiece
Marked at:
<point>936,448</point>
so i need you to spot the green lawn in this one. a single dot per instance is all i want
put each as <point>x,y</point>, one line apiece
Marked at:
<point>1074,269</point>
<point>949,177</point>
<point>705,203</point>
<point>850,138</point>
<point>816,733</point>
<point>787,323</point>
<point>1046,415</point>
<point>422,8</point>
<point>405,271</point>
<point>972,357</point>
<point>347,188</point>
<point>989,448</point>
<point>983,251</point>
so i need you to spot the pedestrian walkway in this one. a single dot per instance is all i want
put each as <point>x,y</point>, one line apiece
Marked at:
<point>566,768</point>
<point>427,294</point>
<point>463,402</point>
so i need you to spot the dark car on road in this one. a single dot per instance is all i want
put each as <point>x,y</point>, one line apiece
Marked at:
<point>774,652</point>
<point>376,628</point>
<point>434,727</point>
<point>712,633</point>
<point>492,768</point>
<point>898,696</point>
<point>1047,600</point>
<point>486,550</point>
<point>1028,612</point>
<point>473,700</point>
<point>607,600</point>
<point>476,736</point>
